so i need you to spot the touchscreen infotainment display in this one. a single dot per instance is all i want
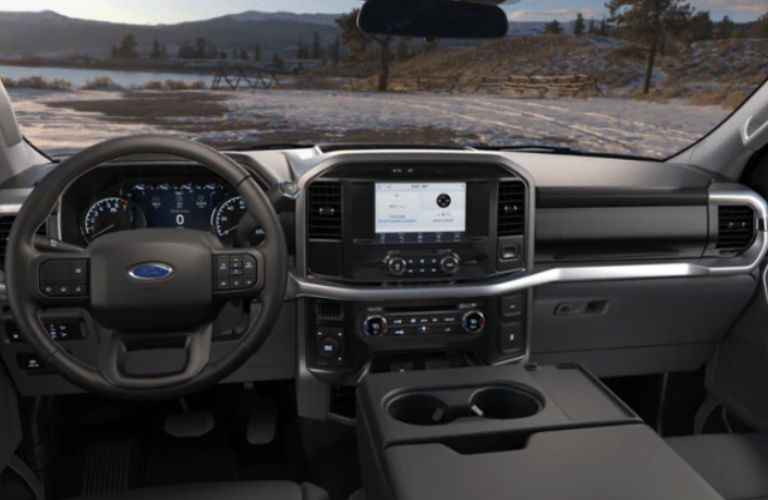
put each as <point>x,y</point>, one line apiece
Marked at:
<point>420,212</point>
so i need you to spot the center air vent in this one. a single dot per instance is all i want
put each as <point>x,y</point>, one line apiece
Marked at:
<point>735,228</point>
<point>511,213</point>
<point>324,211</point>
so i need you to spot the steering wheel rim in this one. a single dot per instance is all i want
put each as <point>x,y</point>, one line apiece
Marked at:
<point>22,272</point>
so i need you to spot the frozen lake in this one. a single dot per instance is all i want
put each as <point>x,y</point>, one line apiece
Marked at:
<point>78,76</point>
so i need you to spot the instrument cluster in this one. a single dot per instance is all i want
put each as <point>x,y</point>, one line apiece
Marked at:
<point>203,204</point>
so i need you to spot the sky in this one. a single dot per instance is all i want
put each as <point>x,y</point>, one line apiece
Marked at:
<point>173,11</point>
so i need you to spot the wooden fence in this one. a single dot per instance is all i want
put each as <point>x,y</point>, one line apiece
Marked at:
<point>236,78</point>
<point>520,85</point>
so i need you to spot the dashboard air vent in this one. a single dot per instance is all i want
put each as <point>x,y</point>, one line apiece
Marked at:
<point>324,211</point>
<point>329,311</point>
<point>6,222</point>
<point>735,228</point>
<point>511,213</point>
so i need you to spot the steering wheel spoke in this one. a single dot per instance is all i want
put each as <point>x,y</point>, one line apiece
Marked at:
<point>117,349</point>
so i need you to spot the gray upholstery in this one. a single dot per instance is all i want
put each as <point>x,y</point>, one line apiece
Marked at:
<point>736,465</point>
<point>236,490</point>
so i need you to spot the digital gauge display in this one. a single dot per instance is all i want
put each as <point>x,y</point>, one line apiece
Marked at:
<point>185,206</point>
<point>201,205</point>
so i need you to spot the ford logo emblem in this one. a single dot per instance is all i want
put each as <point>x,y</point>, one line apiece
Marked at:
<point>150,271</point>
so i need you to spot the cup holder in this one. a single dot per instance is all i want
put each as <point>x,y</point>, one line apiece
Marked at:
<point>496,403</point>
<point>419,409</point>
<point>505,403</point>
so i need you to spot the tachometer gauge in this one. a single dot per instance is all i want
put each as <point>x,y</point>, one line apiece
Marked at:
<point>111,214</point>
<point>226,221</point>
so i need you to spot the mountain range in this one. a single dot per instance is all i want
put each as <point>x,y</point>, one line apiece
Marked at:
<point>49,34</point>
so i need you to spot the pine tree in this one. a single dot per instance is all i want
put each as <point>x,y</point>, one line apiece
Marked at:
<point>579,25</point>
<point>554,27</point>
<point>604,30</point>
<point>127,47</point>
<point>403,48</point>
<point>277,61</point>
<point>725,28</point>
<point>358,45</point>
<point>317,50</point>
<point>201,46</point>
<point>650,24</point>
<point>156,52</point>
<point>333,52</point>
<point>257,53</point>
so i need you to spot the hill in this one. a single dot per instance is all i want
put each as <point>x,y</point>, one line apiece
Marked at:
<point>50,34</point>
<point>737,64</point>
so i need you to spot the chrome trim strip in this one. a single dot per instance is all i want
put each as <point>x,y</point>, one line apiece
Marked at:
<point>301,287</point>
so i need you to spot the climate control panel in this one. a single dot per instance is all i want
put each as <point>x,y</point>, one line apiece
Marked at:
<point>422,323</point>
<point>402,265</point>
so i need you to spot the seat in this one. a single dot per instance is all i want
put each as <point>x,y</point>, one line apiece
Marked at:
<point>736,465</point>
<point>237,490</point>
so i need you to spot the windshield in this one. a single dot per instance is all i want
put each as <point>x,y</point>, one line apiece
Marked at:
<point>624,77</point>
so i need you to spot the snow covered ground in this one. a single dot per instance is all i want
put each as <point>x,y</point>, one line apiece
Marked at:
<point>612,125</point>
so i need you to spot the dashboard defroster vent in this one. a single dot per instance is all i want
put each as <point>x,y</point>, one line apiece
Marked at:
<point>735,228</point>
<point>324,211</point>
<point>511,211</point>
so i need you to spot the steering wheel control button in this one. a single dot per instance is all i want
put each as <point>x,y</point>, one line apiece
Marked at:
<point>222,265</point>
<point>512,306</point>
<point>234,272</point>
<point>375,326</point>
<point>64,278</point>
<point>473,322</point>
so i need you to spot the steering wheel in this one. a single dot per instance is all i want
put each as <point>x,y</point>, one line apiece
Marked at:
<point>146,289</point>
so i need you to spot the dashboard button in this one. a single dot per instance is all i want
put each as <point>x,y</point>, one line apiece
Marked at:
<point>223,284</point>
<point>449,264</point>
<point>512,306</point>
<point>473,322</point>
<point>329,347</point>
<point>375,325</point>
<point>396,266</point>
<point>511,338</point>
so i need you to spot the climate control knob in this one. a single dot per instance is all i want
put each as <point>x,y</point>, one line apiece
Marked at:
<point>473,322</point>
<point>375,325</point>
<point>450,263</point>
<point>396,266</point>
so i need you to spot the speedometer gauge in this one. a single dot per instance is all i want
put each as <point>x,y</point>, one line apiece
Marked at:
<point>111,214</point>
<point>226,221</point>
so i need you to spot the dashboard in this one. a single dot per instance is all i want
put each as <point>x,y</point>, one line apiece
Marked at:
<point>413,260</point>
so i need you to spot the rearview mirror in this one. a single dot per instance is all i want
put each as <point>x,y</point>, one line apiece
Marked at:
<point>433,19</point>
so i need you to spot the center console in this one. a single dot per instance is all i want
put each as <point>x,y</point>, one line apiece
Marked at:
<point>399,224</point>
<point>511,432</point>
